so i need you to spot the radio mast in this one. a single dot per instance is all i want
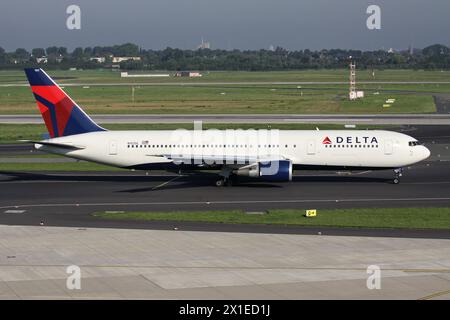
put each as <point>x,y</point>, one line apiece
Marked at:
<point>352,92</point>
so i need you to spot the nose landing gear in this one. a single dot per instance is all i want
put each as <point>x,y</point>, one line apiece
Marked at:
<point>397,174</point>
<point>221,182</point>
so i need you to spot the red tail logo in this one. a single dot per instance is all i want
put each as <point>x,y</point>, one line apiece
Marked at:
<point>326,141</point>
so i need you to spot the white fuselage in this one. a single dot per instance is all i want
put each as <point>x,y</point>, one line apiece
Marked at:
<point>327,148</point>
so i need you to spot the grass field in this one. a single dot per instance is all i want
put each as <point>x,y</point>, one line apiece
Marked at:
<point>224,99</point>
<point>237,98</point>
<point>55,166</point>
<point>416,218</point>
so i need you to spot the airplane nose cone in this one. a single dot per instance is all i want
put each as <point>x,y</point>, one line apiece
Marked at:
<point>426,152</point>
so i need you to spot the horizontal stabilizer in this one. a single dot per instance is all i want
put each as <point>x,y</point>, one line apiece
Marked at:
<point>55,144</point>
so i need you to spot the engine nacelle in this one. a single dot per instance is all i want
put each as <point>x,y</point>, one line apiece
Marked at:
<point>280,170</point>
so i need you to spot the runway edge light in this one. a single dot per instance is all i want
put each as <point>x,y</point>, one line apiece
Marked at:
<point>311,213</point>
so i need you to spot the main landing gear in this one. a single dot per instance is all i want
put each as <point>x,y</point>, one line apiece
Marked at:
<point>397,174</point>
<point>221,182</point>
<point>226,181</point>
<point>226,177</point>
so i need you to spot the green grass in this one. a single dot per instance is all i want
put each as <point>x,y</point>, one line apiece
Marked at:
<point>238,98</point>
<point>403,104</point>
<point>223,99</point>
<point>11,133</point>
<point>64,166</point>
<point>415,218</point>
<point>32,155</point>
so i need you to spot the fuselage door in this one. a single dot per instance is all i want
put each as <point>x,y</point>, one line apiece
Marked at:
<point>113,147</point>
<point>311,149</point>
<point>388,147</point>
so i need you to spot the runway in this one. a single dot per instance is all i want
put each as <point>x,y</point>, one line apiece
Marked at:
<point>393,119</point>
<point>69,199</point>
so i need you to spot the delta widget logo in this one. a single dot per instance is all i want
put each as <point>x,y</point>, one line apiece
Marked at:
<point>326,141</point>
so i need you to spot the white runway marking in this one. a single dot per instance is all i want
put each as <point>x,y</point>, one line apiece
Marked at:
<point>15,211</point>
<point>47,205</point>
<point>166,183</point>
<point>328,120</point>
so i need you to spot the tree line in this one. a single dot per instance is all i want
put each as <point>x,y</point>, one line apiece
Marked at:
<point>433,57</point>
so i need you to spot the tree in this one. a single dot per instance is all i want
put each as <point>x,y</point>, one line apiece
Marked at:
<point>436,50</point>
<point>2,55</point>
<point>126,50</point>
<point>436,56</point>
<point>87,52</point>
<point>52,51</point>
<point>38,52</point>
<point>77,53</point>
<point>62,51</point>
<point>22,54</point>
<point>432,57</point>
<point>97,51</point>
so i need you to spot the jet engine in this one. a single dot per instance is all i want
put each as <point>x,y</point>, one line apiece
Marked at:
<point>279,170</point>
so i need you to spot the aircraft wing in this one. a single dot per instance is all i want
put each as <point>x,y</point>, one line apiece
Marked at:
<point>222,159</point>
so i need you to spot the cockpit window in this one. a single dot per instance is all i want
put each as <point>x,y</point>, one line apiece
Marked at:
<point>413,143</point>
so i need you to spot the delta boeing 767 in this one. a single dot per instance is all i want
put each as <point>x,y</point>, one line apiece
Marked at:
<point>265,154</point>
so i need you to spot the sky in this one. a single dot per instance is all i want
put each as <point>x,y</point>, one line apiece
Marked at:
<point>226,24</point>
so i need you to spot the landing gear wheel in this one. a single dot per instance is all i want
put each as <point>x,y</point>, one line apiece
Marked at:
<point>397,174</point>
<point>220,183</point>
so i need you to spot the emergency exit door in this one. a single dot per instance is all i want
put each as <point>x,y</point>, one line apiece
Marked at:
<point>113,147</point>
<point>388,147</point>
<point>311,148</point>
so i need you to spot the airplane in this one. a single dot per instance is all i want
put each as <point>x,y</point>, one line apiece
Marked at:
<point>270,155</point>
